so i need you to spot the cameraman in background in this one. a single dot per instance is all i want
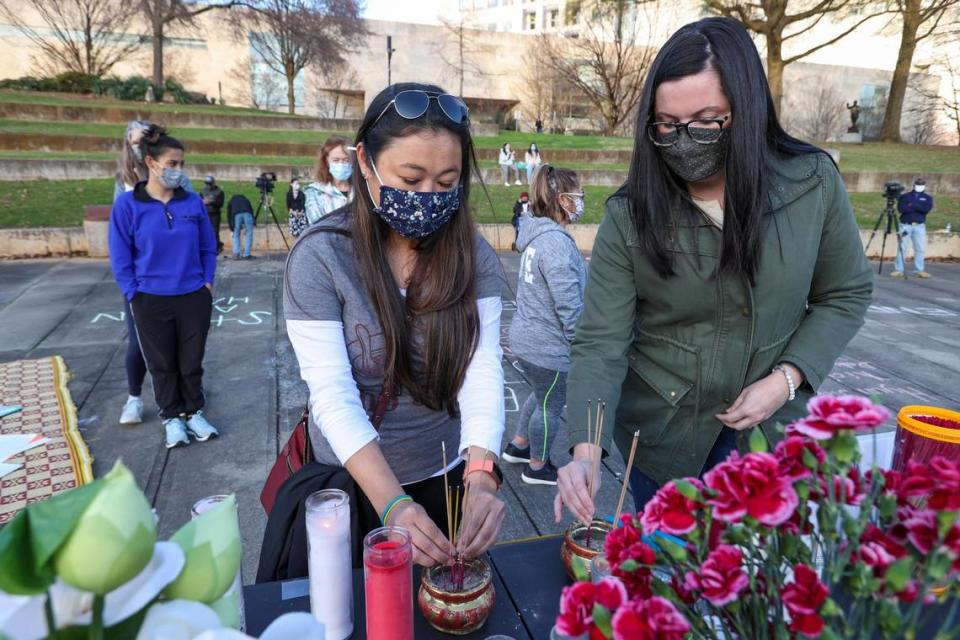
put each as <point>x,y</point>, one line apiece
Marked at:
<point>240,216</point>
<point>913,207</point>
<point>213,196</point>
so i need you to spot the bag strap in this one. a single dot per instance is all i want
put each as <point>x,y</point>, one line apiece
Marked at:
<point>383,402</point>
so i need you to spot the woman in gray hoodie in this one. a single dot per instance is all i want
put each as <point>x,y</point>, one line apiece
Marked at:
<point>549,299</point>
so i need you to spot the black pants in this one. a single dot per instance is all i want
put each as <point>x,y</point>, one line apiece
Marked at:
<point>173,335</point>
<point>136,367</point>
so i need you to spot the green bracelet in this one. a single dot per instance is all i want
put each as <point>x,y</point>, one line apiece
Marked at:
<point>392,505</point>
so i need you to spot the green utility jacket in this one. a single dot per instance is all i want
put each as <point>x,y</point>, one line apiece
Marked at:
<point>667,355</point>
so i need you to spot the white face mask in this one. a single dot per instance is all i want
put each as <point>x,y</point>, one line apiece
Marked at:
<point>920,188</point>
<point>295,186</point>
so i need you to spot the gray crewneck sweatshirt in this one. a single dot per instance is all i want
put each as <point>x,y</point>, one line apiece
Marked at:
<point>550,287</point>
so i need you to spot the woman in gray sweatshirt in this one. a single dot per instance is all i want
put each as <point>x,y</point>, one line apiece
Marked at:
<point>549,299</point>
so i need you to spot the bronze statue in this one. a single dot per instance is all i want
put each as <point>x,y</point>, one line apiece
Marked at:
<point>854,116</point>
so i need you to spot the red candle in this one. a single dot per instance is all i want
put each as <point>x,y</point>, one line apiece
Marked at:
<point>388,584</point>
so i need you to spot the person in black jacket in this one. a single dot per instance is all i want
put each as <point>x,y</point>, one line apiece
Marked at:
<point>913,207</point>
<point>520,207</point>
<point>240,215</point>
<point>213,196</point>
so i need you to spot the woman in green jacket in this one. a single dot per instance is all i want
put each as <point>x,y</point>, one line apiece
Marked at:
<point>726,278</point>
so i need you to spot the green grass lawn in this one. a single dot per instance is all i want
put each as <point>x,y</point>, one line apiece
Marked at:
<point>866,157</point>
<point>45,203</point>
<point>77,100</point>
<point>225,158</point>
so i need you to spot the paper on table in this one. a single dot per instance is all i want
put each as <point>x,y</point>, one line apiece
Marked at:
<point>14,443</point>
<point>6,468</point>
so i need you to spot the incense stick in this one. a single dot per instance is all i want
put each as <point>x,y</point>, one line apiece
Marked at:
<point>446,489</point>
<point>626,475</point>
<point>595,461</point>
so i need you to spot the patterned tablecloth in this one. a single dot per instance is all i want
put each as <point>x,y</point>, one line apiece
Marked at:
<point>40,386</point>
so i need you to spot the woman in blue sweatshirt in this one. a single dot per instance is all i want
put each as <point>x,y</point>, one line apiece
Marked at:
<point>164,254</point>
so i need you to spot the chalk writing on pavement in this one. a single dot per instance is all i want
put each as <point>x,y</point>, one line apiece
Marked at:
<point>226,310</point>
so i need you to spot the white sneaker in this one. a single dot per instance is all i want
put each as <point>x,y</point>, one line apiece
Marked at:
<point>506,184</point>
<point>132,411</point>
<point>176,432</point>
<point>518,183</point>
<point>199,428</point>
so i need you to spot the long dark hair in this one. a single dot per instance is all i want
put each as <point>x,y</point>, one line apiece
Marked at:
<point>723,45</point>
<point>441,302</point>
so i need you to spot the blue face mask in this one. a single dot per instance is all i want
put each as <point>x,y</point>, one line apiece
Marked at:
<point>171,178</point>
<point>341,171</point>
<point>415,214</point>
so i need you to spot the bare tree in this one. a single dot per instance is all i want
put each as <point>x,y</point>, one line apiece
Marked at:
<point>920,20</point>
<point>545,94</point>
<point>817,113</point>
<point>82,36</point>
<point>331,88</point>
<point>779,21</point>
<point>161,14</point>
<point>458,51</point>
<point>933,101</point>
<point>289,35</point>
<point>607,60</point>
<point>258,88</point>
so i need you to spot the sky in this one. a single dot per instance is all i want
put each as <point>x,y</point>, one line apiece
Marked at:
<point>421,11</point>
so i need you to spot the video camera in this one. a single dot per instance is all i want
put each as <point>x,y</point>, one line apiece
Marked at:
<point>892,190</point>
<point>266,181</point>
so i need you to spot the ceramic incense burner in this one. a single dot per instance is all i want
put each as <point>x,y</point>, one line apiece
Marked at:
<point>457,612</point>
<point>575,553</point>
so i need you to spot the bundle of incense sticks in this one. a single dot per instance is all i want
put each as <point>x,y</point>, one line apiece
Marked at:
<point>595,437</point>
<point>453,523</point>
<point>626,478</point>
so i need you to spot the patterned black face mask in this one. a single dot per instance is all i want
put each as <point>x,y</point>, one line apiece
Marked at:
<point>415,214</point>
<point>693,161</point>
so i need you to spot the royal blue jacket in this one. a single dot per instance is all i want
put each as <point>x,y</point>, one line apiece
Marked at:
<point>162,249</point>
<point>914,207</point>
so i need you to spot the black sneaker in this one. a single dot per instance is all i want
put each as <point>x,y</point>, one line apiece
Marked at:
<point>545,475</point>
<point>515,454</point>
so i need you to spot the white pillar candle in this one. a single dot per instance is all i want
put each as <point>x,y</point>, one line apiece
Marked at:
<point>329,562</point>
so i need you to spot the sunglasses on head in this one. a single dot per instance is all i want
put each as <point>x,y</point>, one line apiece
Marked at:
<point>413,103</point>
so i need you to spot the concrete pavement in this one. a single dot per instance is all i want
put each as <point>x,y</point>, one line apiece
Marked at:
<point>907,353</point>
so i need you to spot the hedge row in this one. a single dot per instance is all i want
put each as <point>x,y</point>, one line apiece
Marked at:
<point>132,88</point>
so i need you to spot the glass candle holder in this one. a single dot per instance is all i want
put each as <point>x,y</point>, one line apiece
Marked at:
<point>329,562</point>
<point>599,568</point>
<point>388,583</point>
<point>229,607</point>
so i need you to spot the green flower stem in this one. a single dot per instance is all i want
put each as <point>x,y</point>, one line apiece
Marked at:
<point>96,626</point>
<point>48,613</point>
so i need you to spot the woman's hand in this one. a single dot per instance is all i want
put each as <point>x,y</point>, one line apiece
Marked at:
<point>209,287</point>
<point>573,484</point>
<point>483,515</point>
<point>430,547</point>
<point>760,400</point>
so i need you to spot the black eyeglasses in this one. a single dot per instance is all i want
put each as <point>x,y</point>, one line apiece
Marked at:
<point>413,103</point>
<point>701,131</point>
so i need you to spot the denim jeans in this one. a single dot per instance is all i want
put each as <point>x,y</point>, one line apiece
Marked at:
<point>917,233</point>
<point>644,487</point>
<point>240,221</point>
<point>531,169</point>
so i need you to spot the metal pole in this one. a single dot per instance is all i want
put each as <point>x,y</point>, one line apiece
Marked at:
<point>389,58</point>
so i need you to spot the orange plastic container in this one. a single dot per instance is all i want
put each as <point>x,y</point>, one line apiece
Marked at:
<point>920,441</point>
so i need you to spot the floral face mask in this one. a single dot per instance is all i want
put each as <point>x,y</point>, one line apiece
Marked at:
<point>415,214</point>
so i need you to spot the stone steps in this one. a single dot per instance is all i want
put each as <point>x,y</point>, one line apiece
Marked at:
<point>10,141</point>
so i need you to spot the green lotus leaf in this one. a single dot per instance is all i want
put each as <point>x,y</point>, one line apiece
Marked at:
<point>211,544</point>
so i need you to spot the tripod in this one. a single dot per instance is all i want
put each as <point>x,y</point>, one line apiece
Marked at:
<point>889,214</point>
<point>266,200</point>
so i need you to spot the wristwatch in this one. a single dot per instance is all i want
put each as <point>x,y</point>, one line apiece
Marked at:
<point>487,466</point>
